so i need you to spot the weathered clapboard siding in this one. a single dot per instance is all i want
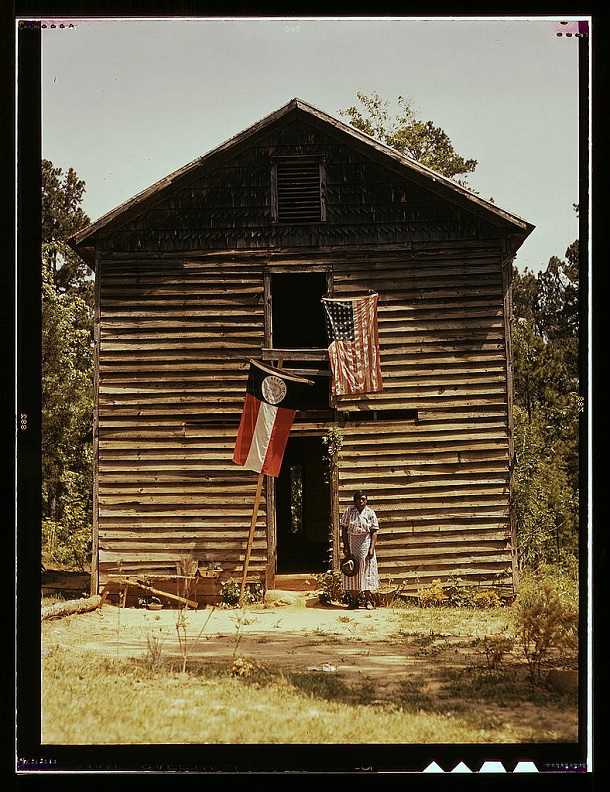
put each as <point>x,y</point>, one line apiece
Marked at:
<point>413,324</point>
<point>172,487</point>
<point>440,484</point>
<point>171,361</point>
<point>183,303</point>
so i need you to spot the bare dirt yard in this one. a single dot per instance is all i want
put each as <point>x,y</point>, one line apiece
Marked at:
<point>390,650</point>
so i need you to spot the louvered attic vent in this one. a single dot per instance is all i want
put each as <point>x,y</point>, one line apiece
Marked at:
<point>298,192</point>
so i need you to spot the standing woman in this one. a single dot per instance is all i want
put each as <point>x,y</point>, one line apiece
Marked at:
<point>359,528</point>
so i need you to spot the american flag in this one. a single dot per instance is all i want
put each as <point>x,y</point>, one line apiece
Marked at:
<point>351,324</point>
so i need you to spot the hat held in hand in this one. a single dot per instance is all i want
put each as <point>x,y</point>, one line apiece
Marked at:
<point>349,566</point>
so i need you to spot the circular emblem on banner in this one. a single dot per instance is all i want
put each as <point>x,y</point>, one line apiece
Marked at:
<point>274,389</point>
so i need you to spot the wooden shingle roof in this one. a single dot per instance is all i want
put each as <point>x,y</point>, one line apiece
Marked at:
<point>516,228</point>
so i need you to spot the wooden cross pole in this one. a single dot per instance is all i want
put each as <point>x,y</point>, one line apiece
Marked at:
<point>257,500</point>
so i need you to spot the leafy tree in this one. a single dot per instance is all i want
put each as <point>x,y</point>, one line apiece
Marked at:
<point>62,216</point>
<point>407,134</point>
<point>67,366</point>
<point>546,499</point>
<point>547,409</point>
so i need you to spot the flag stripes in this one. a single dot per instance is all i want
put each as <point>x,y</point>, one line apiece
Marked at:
<point>353,344</point>
<point>270,405</point>
<point>262,436</point>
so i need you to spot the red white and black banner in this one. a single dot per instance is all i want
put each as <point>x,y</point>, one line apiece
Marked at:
<point>272,399</point>
<point>351,324</point>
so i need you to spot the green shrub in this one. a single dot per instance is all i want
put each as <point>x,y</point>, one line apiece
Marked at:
<point>431,595</point>
<point>545,620</point>
<point>459,594</point>
<point>68,545</point>
<point>495,648</point>
<point>231,593</point>
<point>562,577</point>
<point>331,583</point>
<point>455,593</point>
<point>488,598</point>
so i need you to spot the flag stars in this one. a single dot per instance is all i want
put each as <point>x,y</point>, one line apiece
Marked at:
<point>340,318</point>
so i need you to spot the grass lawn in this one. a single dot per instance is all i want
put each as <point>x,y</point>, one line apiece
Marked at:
<point>451,693</point>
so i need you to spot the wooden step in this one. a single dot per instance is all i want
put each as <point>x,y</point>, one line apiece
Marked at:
<point>300,582</point>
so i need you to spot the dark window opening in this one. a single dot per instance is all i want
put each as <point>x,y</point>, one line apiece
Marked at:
<point>298,191</point>
<point>297,314</point>
<point>368,416</point>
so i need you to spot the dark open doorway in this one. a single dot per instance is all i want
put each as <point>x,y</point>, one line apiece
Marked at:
<point>303,508</point>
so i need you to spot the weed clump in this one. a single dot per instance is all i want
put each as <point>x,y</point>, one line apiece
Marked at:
<point>456,593</point>
<point>495,648</point>
<point>544,622</point>
<point>247,667</point>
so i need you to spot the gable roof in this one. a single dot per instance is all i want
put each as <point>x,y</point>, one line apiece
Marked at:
<point>516,227</point>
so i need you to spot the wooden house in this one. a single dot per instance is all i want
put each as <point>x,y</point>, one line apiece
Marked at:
<point>226,260</point>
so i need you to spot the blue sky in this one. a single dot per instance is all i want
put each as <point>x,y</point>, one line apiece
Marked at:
<point>126,102</point>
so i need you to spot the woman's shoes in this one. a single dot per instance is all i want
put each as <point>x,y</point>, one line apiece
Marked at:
<point>354,605</point>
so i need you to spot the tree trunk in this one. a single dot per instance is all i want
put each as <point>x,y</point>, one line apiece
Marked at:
<point>72,606</point>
